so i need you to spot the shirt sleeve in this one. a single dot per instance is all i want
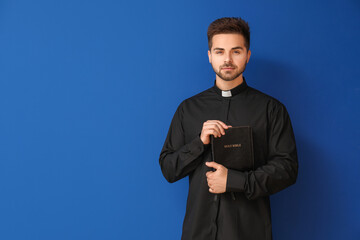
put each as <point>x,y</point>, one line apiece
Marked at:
<point>281,169</point>
<point>177,158</point>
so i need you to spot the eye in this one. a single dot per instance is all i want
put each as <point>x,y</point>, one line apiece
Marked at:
<point>237,52</point>
<point>218,52</point>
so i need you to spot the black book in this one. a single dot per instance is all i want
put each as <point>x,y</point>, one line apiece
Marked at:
<point>234,150</point>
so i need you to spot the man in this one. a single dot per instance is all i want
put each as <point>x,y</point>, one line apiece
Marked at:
<point>241,209</point>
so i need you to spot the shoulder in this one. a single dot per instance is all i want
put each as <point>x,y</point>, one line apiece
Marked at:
<point>201,96</point>
<point>274,107</point>
<point>261,96</point>
<point>190,102</point>
<point>264,98</point>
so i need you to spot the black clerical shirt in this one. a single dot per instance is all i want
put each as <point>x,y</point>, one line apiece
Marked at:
<point>243,211</point>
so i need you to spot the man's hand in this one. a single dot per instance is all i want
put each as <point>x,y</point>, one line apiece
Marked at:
<point>217,180</point>
<point>212,127</point>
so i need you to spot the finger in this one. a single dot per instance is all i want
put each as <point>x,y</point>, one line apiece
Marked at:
<point>221,128</point>
<point>212,131</point>
<point>219,122</point>
<point>217,129</point>
<point>213,165</point>
<point>222,124</point>
<point>217,126</point>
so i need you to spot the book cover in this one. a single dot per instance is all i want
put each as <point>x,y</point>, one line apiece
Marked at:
<point>234,150</point>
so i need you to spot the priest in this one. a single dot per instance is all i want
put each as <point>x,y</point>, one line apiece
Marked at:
<point>229,204</point>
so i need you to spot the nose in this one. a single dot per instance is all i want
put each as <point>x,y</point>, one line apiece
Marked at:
<point>228,58</point>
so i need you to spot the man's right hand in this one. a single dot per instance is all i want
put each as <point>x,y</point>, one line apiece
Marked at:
<point>212,127</point>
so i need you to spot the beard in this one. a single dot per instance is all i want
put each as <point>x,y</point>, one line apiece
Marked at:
<point>229,75</point>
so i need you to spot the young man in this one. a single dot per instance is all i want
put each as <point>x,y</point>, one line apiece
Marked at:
<point>241,209</point>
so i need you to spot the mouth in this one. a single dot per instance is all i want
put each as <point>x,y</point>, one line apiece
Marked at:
<point>227,68</point>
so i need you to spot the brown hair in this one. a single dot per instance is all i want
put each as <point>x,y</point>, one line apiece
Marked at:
<point>229,25</point>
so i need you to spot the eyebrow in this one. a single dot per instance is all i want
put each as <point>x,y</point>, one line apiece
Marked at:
<point>238,47</point>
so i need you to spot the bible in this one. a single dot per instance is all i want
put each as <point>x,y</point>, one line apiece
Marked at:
<point>234,150</point>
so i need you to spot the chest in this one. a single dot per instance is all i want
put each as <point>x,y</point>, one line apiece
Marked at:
<point>234,112</point>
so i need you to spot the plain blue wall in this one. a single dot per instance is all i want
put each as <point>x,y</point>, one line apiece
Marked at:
<point>88,90</point>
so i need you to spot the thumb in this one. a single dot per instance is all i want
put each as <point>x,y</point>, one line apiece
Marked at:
<point>213,165</point>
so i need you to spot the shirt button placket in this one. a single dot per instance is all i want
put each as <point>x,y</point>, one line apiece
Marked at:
<point>225,110</point>
<point>215,219</point>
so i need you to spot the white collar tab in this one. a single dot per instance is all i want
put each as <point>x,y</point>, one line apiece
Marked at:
<point>226,93</point>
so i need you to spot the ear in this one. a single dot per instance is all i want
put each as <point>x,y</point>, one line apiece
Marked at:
<point>209,55</point>
<point>248,57</point>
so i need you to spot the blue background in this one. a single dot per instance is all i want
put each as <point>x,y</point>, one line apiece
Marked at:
<point>88,90</point>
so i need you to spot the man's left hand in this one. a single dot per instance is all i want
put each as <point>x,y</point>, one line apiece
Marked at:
<point>216,180</point>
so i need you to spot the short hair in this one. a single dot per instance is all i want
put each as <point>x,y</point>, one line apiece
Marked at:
<point>229,25</point>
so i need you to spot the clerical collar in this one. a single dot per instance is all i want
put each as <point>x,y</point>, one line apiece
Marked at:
<point>232,92</point>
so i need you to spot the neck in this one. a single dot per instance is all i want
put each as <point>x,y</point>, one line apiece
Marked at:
<point>227,85</point>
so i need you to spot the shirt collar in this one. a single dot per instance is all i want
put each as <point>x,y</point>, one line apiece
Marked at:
<point>232,92</point>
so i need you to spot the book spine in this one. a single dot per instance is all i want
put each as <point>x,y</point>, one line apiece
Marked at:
<point>212,147</point>
<point>212,157</point>
<point>212,150</point>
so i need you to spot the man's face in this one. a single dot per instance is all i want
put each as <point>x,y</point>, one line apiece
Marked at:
<point>228,55</point>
